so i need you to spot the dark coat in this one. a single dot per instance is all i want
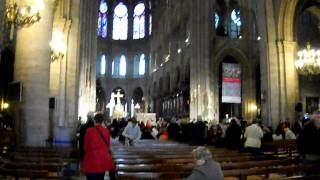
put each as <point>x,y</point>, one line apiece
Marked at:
<point>309,140</point>
<point>233,135</point>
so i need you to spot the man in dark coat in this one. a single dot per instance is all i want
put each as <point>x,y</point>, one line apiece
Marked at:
<point>173,130</point>
<point>309,139</point>
<point>199,132</point>
<point>233,135</point>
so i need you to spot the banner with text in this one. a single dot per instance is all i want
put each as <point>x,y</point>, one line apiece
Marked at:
<point>231,83</point>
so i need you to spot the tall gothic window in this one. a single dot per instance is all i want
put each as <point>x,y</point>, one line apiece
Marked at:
<point>150,18</point>
<point>120,22</point>
<point>119,67</point>
<point>113,70</point>
<point>235,24</point>
<point>142,65</point>
<point>103,64</point>
<point>102,30</point>
<point>139,21</point>
<point>150,24</point>
<point>123,66</point>
<point>139,65</point>
<point>216,20</point>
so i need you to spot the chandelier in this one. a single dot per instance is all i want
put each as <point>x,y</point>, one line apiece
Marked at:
<point>24,14</point>
<point>308,62</point>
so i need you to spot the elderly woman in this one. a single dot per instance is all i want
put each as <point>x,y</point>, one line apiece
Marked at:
<point>206,168</point>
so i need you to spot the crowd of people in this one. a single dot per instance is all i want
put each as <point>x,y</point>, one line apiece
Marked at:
<point>234,133</point>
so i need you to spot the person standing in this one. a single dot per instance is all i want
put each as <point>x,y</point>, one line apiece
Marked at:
<point>82,132</point>
<point>132,132</point>
<point>199,132</point>
<point>97,157</point>
<point>308,140</point>
<point>253,136</point>
<point>233,134</point>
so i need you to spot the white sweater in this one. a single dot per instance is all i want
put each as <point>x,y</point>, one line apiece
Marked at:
<point>253,135</point>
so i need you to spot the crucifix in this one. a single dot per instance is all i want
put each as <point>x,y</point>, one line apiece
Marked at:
<point>118,96</point>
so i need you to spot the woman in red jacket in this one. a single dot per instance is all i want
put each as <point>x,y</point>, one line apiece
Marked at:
<point>97,158</point>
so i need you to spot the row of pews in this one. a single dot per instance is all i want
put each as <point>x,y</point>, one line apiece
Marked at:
<point>168,160</point>
<point>150,159</point>
<point>37,163</point>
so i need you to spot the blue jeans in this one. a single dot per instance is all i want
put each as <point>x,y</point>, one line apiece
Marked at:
<point>95,176</point>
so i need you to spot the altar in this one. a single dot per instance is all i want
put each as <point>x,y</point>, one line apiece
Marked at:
<point>117,110</point>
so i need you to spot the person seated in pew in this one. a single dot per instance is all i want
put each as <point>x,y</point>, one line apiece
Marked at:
<point>132,132</point>
<point>288,134</point>
<point>278,135</point>
<point>206,168</point>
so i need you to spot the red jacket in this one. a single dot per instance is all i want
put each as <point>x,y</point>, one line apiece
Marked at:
<point>97,158</point>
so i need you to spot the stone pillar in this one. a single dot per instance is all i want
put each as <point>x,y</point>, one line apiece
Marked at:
<point>32,67</point>
<point>201,95</point>
<point>278,75</point>
<point>291,83</point>
<point>87,57</point>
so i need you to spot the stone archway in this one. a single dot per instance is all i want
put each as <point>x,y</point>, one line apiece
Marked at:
<point>248,81</point>
<point>294,87</point>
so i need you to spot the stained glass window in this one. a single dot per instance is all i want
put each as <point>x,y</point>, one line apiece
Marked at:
<point>123,66</point>
<point>139,21</point>
<point>120,22</point>
<point>102,30</point>
<point>113,70</point>
<point>235,24</point>
<point>142,65</point>
<point>119,67</point>
<point>150,24</point>
<point>103,64</point>
<point>216,20</point>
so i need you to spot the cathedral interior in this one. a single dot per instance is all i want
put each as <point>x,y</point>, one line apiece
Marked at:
<point>166,56</point>
<point>186,59</point>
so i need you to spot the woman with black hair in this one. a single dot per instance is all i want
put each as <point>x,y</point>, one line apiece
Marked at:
<point>97,157</point>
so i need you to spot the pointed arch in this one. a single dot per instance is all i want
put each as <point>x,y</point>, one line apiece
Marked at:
<point>120,22</point>
<point>139,21</point>
<point>102,29</point>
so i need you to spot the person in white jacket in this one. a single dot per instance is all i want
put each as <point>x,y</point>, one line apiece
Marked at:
<point>253,136</point>
<point>132,132</point>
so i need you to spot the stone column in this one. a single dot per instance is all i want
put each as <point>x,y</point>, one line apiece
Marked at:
<point>201,95</point>
<point>32,67</point>
<point>87,57</point>
<point>291,82</point>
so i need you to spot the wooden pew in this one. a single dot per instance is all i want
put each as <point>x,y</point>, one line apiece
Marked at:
<point>25,173</point>
<point>160,167</point>
<point>242,174</point>
<point>172,161</point>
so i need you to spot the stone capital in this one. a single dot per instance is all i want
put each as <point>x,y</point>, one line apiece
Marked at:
<point>289,45</point>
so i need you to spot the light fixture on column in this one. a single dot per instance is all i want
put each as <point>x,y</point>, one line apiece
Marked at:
<point>308,62</point>
<point>58,47</point>
<point>24,14</point>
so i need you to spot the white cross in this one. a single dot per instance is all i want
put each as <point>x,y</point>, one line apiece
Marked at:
<point>118,96</point>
